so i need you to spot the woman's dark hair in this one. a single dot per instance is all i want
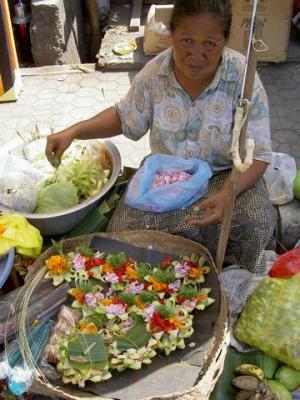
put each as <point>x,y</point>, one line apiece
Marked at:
<point>186,8</point>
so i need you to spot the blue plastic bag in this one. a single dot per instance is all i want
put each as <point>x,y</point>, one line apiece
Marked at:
<point>141,195</point>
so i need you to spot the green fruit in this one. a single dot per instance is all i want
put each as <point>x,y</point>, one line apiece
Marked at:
<point>279,390</point>
<point>269,366</point>
<point>288,377</point>
<point>297,185</point>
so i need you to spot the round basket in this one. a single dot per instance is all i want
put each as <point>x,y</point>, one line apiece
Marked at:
<point>209,358</point>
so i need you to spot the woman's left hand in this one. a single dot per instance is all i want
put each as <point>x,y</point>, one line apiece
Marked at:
<point>213,208</point>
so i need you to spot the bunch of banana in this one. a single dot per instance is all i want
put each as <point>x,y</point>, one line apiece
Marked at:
<point>252,384</point>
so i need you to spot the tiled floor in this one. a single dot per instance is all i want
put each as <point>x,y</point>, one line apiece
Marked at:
<point>57,101</point>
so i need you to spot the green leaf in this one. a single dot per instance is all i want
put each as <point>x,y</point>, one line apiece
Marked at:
<point>97,320</point>
<point>85,286</point>
<point>116,260</point>
<point>128,298</point>
<point>187,292</point>
<point>85,251</point>
<point>143,269</point>
<point>165,312</point>
<point>148,297</point>
<point>165,275</point>
<point>224,390</point>
<point>136,337</point>
<point>58,245</point>
<point>90,345</point>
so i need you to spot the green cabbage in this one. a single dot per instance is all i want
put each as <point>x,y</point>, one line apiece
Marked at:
<point>56,197</point>
<point>86,174</point>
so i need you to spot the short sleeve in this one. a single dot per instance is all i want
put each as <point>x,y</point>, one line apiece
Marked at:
<point>259,123</point>
<point>135,109</point>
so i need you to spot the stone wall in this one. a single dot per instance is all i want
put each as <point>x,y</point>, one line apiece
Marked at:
<point>57,32</point>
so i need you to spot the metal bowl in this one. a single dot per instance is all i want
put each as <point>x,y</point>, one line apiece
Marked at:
<point>58,223</point>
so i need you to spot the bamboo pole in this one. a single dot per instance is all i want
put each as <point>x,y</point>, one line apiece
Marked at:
<point>235,174</point>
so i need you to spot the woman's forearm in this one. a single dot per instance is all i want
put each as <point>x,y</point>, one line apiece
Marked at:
<point>105,124</point>
<point>248,178</point>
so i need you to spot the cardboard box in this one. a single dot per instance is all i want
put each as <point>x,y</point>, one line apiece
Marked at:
<point>273,27</point>
<point>157,35</point>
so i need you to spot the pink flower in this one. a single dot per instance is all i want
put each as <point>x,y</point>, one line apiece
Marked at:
<point>127,324</point>
<point>90,300</point>
<point>189,303</point>
<point>182,269</point>
<point>149,310</point>
<point>135,287</point>
<point>111,277</point>
<point>99,296</point>
<point>78,261</point>
<point>115,309</point>
<point>81,384</point>
<point>175,286</point>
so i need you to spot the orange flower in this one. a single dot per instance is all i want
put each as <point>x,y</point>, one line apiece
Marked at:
<point>106,268</point>
<point>157,286</point>
<point>138,303</point>
<point>106,302</point>
<point>58,265</point>
<point>175,322</point>
<point>131,273</point>
<point>201,297</point>
<point>92,328</point>
<point>78,295</point>
<point>2,229</point>
<point>83,326</point>
<point>195,272</point>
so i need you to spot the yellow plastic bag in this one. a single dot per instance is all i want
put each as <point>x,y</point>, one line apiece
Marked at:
<point>16,231</point>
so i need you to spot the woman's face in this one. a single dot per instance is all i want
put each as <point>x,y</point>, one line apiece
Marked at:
<point>198,43</point>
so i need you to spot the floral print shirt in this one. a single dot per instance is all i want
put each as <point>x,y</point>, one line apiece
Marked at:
<point>201,128</point>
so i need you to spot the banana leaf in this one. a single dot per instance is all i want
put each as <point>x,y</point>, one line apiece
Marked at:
<point>137,337</point>
<point>224,389</point>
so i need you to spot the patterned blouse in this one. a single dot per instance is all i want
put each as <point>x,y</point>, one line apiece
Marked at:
<point>201,128</point>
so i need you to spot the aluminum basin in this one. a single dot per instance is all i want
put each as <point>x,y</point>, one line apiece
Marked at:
<point>58,223</point>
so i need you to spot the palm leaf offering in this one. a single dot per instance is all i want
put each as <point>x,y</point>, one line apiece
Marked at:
<point>130,310</point>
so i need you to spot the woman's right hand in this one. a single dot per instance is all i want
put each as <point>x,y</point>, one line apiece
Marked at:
<point>57,143</point>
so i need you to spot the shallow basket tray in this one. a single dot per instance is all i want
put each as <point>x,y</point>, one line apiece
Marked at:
<point>214,351</point>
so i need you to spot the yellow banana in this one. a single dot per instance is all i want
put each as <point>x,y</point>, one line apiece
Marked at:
<point>250,370</point>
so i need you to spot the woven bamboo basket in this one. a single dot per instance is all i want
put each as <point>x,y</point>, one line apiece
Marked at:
<point>214,351</point>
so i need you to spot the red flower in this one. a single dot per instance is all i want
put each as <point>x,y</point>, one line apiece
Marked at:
<point>180,299</point>
<point>99,261</point>
<point>90,274</point>
<point>159,324</point>
<point>166,262</point>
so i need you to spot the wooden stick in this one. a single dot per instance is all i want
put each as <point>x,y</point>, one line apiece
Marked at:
<point>235,174</point>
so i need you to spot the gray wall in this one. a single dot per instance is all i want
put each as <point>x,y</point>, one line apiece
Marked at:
<point>57,32</point>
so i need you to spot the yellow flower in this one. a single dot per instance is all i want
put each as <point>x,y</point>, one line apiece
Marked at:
<point>57,265</point>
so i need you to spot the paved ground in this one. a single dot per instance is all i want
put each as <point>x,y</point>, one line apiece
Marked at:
<point>58,100</point>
